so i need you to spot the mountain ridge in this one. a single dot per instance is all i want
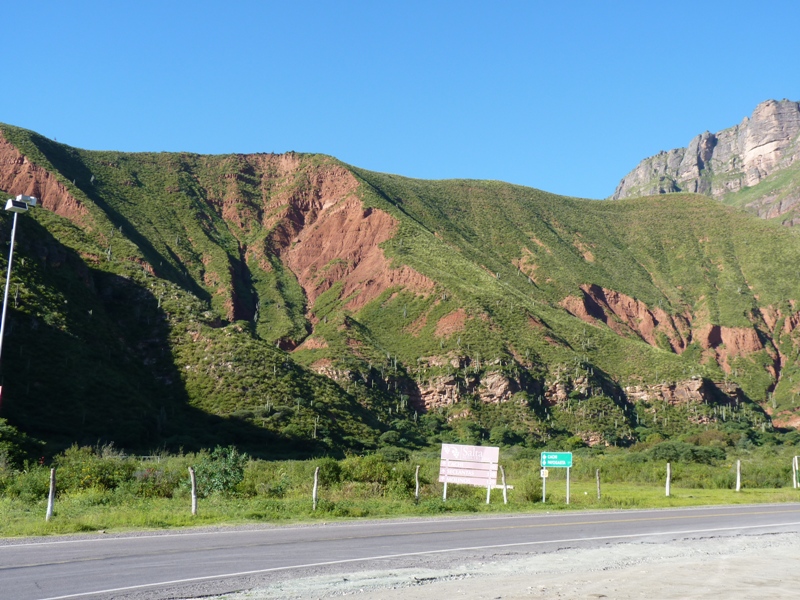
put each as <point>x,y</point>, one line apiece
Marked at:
<point>298,304</point>
<point>753,165</point>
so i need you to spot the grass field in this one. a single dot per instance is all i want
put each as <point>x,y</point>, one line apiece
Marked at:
<point>112,494</point>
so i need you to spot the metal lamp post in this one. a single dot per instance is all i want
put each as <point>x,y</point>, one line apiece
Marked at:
<point>17,205</point>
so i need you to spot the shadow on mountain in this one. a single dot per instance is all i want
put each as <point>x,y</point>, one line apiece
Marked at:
<point>87,360</point>
<point>69,164</point>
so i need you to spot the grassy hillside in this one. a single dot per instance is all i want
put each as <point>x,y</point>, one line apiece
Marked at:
<point>295,305</point>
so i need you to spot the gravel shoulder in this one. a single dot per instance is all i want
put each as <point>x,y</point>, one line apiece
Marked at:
<point>751,566</point>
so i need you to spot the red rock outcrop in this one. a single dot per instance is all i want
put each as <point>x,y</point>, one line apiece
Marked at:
<point>738,341</point>
<point>325,235</point>
<point>451,323</point>
<point>492,388</point>
<point>625,315</point>
<point>18,175</point>
<point>690,391</point>
<point>496,388</point>
<point>729,342</point>
<point>791,323</point>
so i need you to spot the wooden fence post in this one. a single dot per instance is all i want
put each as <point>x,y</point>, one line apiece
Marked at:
<point>597,475</point>
<point>738,475</point>
<point>316,486</point>
<point>193,479</point>
<point>416,489</point>
<point>51,497</point>
<point>669,477</point>
<point>505,487</point>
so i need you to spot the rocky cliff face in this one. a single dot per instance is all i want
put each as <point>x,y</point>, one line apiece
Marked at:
<point>723,163</point>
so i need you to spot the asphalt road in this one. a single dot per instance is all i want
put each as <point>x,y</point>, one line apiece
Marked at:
<point>194,563</point>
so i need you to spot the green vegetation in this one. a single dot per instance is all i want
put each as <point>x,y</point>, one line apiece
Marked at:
<point>102,489</point>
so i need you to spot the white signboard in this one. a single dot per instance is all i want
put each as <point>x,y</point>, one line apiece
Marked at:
<point>469,465</point>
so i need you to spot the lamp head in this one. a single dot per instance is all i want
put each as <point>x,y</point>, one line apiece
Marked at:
<point>30,200</point>
<point>20,204</point>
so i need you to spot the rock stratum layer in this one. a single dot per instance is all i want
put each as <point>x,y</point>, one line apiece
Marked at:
<point>723,165</point>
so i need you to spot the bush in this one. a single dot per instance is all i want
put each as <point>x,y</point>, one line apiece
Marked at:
<point>15,446</point>
<point>683,452</point>
<point>390,438</point>
<point>159,480</point>
<point>221,471</point>
<point>330,471</point>
<point>393,454</point>
<point>531,489</point>
<point>29,486</point>
<point>82,468</point>
<point>373,468</point>
<point>265,478</point>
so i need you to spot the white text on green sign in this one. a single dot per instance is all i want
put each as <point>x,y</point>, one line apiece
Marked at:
<point>557,459</point>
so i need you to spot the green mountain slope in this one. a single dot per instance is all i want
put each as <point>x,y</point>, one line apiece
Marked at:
<point>292,304</point>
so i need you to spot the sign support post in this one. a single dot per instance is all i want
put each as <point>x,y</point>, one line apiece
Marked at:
<point>489,484</point>
<point>446,469</point>
<point>544,486</point>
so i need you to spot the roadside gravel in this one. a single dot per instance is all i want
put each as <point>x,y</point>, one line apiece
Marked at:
<point>751,566</point>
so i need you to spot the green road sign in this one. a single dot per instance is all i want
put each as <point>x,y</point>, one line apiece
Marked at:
<point>557,459</point>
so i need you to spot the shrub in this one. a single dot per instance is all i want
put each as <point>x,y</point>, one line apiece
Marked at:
<point>371,468</point>
<point>390,438</point>
<point>392,454</point>
<point>683,452</point>
<point>531,489</point>
<point>330,471</point>
<point>30,485</point>
<point>14,446</point>
<point>221,471</point>
<point>158,480</point>
<point>81,468</point>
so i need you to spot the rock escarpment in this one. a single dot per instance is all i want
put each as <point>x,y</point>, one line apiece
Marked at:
<point>724,163</point>
<point>18,175</point>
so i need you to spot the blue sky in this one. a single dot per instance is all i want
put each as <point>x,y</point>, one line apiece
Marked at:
<point>566,97</point>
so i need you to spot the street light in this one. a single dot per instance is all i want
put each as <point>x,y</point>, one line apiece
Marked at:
<point>17,205</point>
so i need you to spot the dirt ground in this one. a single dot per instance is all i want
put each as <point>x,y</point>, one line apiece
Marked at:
<point>754,566</point>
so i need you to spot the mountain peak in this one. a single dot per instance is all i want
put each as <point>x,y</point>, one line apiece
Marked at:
<point>725,164</point>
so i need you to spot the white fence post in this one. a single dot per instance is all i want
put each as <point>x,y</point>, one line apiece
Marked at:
<point>194,490</point>
<point>314,491</point>
<point>51,497</point>
<point>505,487</point>
<point>738,475</point>
<point>416,490</point>
<point>597,475</point>
<point>669,477</point>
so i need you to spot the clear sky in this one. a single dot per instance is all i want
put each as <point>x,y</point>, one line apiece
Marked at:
<point>562,96</point>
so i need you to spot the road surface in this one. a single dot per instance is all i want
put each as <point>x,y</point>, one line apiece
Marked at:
<point>193,563</point>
